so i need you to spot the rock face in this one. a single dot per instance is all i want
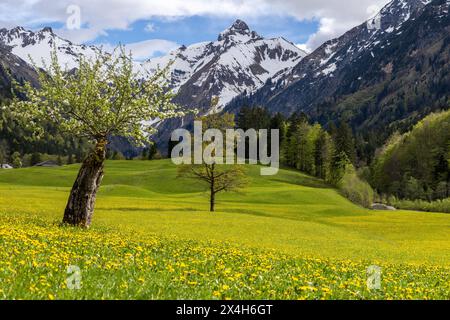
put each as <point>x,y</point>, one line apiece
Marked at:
<point>12,65</point>
<point>382,207</point>
<point>321,74</point>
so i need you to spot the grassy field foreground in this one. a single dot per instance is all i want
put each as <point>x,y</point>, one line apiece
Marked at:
<point>287,237</point>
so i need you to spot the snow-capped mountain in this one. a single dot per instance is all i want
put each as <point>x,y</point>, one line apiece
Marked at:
<point>10,64</point>
<point>324,72</point>
<point>380,77</point>
<point>240,61</point>
<point>36,47</point>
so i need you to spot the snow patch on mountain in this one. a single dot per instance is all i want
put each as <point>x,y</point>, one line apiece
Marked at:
<point>37,47</point>
<point>240,61</point>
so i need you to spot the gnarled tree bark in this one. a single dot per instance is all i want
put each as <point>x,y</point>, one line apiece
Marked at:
<point>81,203</point>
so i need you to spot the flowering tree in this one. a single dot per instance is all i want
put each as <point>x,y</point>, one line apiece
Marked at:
<point>103,97</point>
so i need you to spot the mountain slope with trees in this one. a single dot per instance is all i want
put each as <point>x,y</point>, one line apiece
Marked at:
<point>378,80</point>
<point>416,165</point>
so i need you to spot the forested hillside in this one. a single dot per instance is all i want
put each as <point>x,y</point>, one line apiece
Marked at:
<point>309,147</point>
<point>416,165</point>
<point>378,81</point>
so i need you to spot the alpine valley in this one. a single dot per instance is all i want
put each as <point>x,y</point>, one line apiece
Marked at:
<point>381,76</point>
<point>333,182</point>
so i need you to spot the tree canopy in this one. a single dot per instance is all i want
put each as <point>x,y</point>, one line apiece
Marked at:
<point>103,97</point>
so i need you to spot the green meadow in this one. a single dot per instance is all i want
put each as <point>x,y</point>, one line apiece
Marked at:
<point>288,236</point>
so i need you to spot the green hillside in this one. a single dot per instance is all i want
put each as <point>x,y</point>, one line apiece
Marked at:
<point>290,218</point>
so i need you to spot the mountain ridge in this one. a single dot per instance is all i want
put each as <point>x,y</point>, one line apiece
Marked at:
<point>366,77</point>
<point>240,61</point>
<point>379,80</point>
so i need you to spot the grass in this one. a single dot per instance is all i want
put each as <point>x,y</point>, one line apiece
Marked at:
<point>287,237</point>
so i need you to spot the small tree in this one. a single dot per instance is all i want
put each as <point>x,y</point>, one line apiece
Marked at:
<point>59,160</point>
<point>102,98</point>
<point>70,159</point>
<point>16,160</point>
<point>35,158</point>
<point>152,151</point>
<point>117,155</point>
<point>218,177</point>
<point>4,151</point>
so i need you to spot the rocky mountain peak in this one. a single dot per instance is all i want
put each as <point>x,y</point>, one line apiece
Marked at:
<point>395,13</point>
<point>40,44</point>
<point>240,26</point>
<point>238,32</point>
<point>47,30</point>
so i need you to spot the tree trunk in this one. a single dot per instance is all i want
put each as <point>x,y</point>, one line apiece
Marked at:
<point>212,199</point>
<point>212,202</point>
<point>81,203</point>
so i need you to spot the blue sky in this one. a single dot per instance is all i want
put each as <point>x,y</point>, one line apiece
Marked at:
<point>196,29</point>
<point>152,27</point>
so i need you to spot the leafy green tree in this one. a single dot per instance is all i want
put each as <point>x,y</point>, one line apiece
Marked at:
<point>298,152</point>
<point>117,155</point>
<point>278,122</point>
<point>4,151</point>
<point>324,150</point>
<point>354,188</point>
<point>104,97</point>
<point>293,137</point>
<point>16,160</point>
<point>144,154</point>
<point>59,160</point>
<point>36,158</point>
<point>415,165</point>
<point>253,118</point>
<point>152,151</point>
<point>413,189</point>
<point>345,142</point>
<point>339,165</point>
<point>309,157</point>
<point>70,159</point>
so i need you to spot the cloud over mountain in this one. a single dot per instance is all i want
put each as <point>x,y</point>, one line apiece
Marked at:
<point>120,14</point>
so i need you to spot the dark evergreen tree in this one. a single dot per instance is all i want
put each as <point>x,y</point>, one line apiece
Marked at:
<point>35,158</point>
<point>345,142</point>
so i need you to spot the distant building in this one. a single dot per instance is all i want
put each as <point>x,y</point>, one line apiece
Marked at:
<point>5,166</point>
<point>48,163</point>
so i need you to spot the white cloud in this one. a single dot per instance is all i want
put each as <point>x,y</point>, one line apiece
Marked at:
<point>304,47</point>
<point>334,16</point>
<point>144,50</point>
<point>81,35</point>
<point>147,49</point>
<point>150,27</point>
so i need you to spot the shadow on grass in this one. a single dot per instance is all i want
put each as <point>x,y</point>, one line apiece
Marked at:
<point>301,179</point>
<point>131,209</point>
